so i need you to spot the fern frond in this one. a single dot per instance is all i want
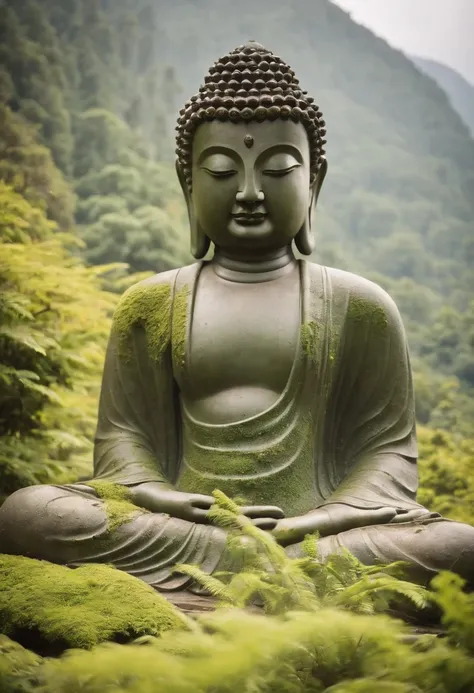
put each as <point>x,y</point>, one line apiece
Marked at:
<point>245,586</point>
<point>224,518</point>
<point>353,595</point>
<point>226,503</point>
<point>211,584</point>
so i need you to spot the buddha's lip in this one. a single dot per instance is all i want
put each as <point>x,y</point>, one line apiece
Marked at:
<point>249,218</point>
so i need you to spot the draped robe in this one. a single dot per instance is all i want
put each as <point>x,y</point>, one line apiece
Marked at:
<point>351,383</point>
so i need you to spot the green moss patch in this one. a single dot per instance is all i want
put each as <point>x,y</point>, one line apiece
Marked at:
<point>368,312</point>
<point>117,503</point>
<point>50,608</point>
<point>180,312</point>
<point>245,474</point>
<point>309,338</point>
<point>18,667</point>
<point>148,305</point>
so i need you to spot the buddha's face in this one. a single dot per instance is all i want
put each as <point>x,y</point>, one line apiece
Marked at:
<point>251,183</point>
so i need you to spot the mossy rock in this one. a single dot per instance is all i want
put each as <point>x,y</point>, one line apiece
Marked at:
<point>50,608</point>
<point>18,667</point>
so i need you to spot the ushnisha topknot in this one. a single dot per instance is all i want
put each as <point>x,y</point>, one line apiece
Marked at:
<point>249,83</point>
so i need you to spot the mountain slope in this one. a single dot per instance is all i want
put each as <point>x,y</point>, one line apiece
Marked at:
<point>460,92</point>
<point>399,193</point>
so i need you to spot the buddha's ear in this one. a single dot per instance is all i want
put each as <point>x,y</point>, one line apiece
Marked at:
<point>305,238</point>
<point>317,184</point>
<point>183,183</point>
<point>199,241</point>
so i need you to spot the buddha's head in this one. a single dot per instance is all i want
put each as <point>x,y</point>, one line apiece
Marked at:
<point>250,156</point>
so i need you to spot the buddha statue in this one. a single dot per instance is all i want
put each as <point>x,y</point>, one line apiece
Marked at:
<point>271,378</point>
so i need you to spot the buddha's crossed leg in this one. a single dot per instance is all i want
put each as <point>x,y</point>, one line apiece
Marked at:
<point>69,525</point>
<point>426,545</point>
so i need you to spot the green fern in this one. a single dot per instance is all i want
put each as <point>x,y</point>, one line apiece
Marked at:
<point>212,585</point>
<point>457,607</point>
<point>265,575</point>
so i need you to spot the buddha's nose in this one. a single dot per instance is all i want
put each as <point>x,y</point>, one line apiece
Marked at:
<point>251,194</point>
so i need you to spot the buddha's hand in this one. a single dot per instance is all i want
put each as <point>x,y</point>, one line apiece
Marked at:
<point>328,520</point>
<point>159,498</point>
<point>263,516</point>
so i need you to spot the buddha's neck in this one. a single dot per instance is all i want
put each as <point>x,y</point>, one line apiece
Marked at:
<point>253,269</point>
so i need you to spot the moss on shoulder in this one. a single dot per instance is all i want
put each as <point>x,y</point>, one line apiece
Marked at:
<point>117,503</point>
<point>363,310</point>
<point>309,338</point>
<point>180,313</point>
<point>148,305</point>
<point>52,608</point>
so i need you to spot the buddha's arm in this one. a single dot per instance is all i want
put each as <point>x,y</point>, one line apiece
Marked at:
<point>136,442</point>
<point>125,452</point>
<point>369,443</point>
<point>138,436</point>
<point>374,451</point>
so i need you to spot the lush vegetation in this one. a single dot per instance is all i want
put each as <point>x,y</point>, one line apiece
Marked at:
<point>89,202</point>
<point>320,628</point>
<point>53,608</point>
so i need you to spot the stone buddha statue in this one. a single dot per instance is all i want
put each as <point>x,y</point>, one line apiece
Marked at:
<point>270,378</point>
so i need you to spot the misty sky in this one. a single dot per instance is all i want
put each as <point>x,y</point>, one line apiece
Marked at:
<point>439,29</point>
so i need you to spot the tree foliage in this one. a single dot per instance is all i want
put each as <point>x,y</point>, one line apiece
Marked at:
<point>54,322</point>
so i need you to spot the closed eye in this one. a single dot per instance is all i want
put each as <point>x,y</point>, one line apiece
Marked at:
<point>219,174</point>
<point>280,172</point>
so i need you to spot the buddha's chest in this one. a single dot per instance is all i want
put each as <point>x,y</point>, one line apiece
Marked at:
<point>242,335</point>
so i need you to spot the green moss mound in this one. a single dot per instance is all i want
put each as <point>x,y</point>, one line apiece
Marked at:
<point>231,651</point>
<point>18,667</point>
<point>50,608</point>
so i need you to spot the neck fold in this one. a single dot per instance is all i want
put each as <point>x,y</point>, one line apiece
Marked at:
<point>248,269</point>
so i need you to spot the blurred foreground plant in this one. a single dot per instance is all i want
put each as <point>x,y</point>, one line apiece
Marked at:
<point>307,639</point>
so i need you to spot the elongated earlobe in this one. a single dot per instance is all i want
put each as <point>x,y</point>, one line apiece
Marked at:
<point>304,240</point>
<point>200,243</point>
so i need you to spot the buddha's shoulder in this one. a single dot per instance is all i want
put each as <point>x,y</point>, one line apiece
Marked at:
<point>363,298</point>
<point>149,302</point>
<point>167,278</point>
<point>160,284</point>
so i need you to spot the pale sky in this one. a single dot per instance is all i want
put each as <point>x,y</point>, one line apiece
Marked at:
<point>439,29</point>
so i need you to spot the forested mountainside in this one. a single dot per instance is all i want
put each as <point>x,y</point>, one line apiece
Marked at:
<point>459,91</point>
<point>89,93</point>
